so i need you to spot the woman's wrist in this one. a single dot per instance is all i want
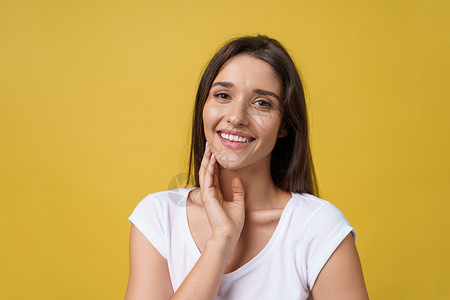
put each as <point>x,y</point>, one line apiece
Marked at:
<point>221,246</point>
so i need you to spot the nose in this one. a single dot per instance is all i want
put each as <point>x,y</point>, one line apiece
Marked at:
<point>237,114</point>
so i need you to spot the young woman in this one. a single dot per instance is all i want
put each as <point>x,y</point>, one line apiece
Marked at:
<point>251,227</point>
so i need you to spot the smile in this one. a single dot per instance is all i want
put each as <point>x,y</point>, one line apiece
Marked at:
<point>234,138</point>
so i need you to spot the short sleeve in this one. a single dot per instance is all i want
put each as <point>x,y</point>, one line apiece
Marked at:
<point>325,231</point>
<point>149,218</point>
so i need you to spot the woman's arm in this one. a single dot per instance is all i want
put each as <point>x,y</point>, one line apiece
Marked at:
<point>226,220</point>
<point>204,279</point>
<point>149,274</point>
<point>342,276</point>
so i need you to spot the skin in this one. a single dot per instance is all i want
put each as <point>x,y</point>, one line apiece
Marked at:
<point>240,108</point>
<point>237,207</point>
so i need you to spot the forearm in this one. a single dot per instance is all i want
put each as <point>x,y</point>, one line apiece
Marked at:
<point>203,281</point>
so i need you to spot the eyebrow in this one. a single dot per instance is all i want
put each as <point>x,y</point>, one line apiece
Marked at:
<point>268,93</point>
<point>228,84</point>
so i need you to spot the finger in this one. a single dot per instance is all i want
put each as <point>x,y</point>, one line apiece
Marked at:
<point>204,164</point>
<point>209,172</point>
<point>216,177</point>
<point>238,190</point>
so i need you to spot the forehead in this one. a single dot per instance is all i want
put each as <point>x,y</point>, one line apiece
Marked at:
<point>246,71</point>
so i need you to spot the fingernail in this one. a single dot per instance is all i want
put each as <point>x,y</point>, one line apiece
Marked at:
<point>206,145</point>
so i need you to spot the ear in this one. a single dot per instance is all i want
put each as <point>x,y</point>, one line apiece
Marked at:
<point>283,131</point>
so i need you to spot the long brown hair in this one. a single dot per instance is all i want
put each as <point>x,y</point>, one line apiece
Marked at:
<point>292,167</point>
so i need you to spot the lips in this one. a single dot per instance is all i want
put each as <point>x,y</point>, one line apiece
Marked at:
<point>234,139</point>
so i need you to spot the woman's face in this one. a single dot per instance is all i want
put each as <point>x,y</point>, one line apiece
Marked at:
<point>242,114</point>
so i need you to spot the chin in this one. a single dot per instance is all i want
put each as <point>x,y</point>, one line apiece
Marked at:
<point>230,165</point>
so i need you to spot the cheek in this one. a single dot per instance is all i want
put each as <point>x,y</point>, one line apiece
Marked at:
<point>272,130</point>
<point>211,116</point>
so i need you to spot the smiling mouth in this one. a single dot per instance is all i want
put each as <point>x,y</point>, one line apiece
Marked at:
<point>235,138</point>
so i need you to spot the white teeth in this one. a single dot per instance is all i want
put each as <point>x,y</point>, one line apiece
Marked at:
<point>234,138</point>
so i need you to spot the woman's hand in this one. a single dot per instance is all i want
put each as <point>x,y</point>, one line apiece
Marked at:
<point>226,218</point>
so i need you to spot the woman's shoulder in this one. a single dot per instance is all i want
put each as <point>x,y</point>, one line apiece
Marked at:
<point>310,203</point>
<point>160,201</point>
<point>323,228</point>
<point>152,216</point>
<point>167,196</point>
<point>310,208</point>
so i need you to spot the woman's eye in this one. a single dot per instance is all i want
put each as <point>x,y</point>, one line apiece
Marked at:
<point>222,95</point>
<point>263,103</point>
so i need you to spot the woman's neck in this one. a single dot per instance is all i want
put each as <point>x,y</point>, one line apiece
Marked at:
<point>260,190</point>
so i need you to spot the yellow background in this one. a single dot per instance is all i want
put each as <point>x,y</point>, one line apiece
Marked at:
<point>95,103</point>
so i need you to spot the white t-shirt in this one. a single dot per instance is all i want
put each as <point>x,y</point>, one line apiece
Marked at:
<point>308,232</point>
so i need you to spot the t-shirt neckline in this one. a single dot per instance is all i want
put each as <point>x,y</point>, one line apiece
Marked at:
<point>257,258</point>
